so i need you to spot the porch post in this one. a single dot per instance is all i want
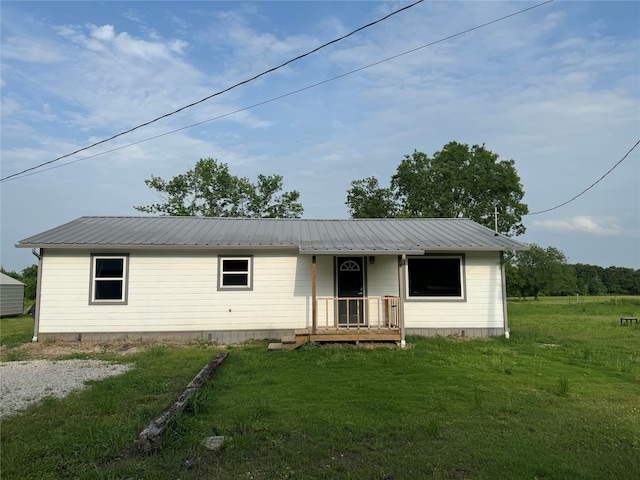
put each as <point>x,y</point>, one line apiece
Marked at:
<point>314,301</point>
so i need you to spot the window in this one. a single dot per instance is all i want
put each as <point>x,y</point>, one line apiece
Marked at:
<point>235,273</point>
<point>109,279</point>
<point>439,277</point>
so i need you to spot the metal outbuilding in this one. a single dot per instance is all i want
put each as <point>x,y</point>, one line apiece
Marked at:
<point>11,296</point>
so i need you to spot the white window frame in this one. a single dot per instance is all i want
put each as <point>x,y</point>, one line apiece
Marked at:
<point>221,273</point>
<point>94,279</point>
<point>438,298</point>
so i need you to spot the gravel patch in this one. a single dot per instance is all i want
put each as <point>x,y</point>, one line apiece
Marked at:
<point>24,383</point>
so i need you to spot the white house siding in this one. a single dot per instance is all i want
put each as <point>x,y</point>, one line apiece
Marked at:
<point>382,276</point>
<point>480,314</point>
<point>176,291</point>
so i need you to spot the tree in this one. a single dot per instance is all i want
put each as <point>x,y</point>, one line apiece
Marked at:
<point>589,279</point>
<point>367,199</point>
<point>459,181</point>
<point>30,280</point>
<point>542,270</point>
<point>210,190</point>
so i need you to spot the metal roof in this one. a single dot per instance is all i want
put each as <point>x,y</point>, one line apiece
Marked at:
<point>365,236</point>
<point>7,280</point>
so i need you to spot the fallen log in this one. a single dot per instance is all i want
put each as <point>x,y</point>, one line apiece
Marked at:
<point>151,437</point>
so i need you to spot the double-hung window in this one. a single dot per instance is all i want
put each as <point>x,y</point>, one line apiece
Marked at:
<point>436,277</point>
<point>109,279</point>
<point>235,273</point>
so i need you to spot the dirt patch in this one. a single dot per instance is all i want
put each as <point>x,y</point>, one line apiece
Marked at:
<point>59,349</point>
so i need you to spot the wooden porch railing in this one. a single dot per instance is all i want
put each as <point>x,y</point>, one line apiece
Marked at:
<point>370,313</point>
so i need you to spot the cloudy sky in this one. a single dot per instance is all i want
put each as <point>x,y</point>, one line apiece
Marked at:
<point>557,89</point>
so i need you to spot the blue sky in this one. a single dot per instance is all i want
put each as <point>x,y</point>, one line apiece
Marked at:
<point>557,89</point>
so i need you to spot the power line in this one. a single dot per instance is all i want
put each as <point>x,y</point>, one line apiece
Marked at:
<point>590,186</point>
<point>337,77</point>
<point>217,93</point>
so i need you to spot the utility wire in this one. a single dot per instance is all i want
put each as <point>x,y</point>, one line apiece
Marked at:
<point>590,186</point>
<point>218,93</point>
<point>273,99</point>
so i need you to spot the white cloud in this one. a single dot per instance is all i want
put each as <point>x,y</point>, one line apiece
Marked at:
<point>29,50</point>
<point>609,226</point>
<point>9,106</point>
<point>104,33</point>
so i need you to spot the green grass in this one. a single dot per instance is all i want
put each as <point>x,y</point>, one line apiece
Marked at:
<point>558,400</point>
<point>16,330</point>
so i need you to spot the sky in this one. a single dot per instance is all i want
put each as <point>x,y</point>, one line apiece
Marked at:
<point>556,89</point>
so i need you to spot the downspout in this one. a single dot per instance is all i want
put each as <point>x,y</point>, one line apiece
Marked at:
<point>36,317</point>
<point>503,262</point>
<point>402,262</point>
<point>314,298</point>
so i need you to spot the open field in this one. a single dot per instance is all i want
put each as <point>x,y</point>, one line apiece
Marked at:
<point>558,400</point>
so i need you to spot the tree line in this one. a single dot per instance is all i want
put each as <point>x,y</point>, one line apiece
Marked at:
<point>539,271</point>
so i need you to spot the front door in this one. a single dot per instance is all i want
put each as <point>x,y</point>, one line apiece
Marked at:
<point>350,289</point>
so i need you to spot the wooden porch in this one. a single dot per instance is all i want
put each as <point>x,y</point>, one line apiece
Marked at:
<point>351,319</point>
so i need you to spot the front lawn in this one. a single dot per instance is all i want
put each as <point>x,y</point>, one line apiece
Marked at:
<point>558,400</point>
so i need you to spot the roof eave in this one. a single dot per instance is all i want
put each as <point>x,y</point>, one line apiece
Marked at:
<point>90,246</point>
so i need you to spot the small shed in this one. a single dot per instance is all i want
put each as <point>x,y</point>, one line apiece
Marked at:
<point>11,296</point>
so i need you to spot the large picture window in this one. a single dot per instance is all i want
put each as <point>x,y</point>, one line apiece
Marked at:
<point>235,273</point>
<point>436,277</point>
<point>109,279</point>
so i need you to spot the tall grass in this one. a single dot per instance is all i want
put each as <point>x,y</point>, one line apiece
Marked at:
<point>559,400</point>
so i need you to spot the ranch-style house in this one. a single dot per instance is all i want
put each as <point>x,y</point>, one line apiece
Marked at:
<point>235,279</point>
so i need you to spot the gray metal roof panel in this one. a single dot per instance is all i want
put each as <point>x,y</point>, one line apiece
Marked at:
<point>7,280</point>
<point>410,235</point>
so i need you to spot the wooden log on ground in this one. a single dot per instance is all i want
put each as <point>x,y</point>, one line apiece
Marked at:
<point>151,436</point>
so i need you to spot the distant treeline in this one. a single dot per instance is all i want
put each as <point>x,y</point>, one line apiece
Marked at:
<point>595,280</point>
<point>567,279</point>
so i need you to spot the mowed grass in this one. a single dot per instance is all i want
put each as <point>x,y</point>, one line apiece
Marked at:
<point>16,330</point>
<point>559,400</point>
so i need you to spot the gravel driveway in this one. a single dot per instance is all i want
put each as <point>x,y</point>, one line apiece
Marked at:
<point>24,383</point>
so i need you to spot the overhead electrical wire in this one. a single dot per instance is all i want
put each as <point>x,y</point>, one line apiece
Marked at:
<point>590,186</point>
<point>24,173</point>
<point>255,77</point>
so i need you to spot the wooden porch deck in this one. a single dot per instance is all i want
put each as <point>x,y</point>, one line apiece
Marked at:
<point>333,335</point>
<point>348,319</point>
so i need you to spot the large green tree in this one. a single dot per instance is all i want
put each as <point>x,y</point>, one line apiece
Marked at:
<point>367,199</point>
<point>210,190</point>
<point>458,181</point>
<point>542,270</point>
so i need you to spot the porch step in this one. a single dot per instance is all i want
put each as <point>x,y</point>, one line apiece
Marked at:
<point>292,342</point>
<point>274,346</point>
